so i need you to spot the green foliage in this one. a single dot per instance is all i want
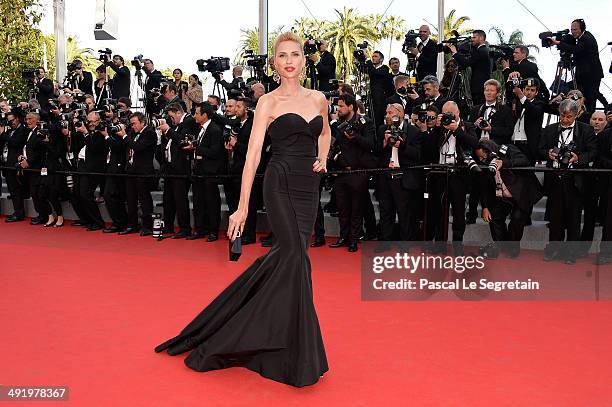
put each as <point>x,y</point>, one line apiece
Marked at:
<point>21,45</point>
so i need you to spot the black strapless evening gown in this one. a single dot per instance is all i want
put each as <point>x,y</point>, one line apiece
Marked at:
<point>265,320</point>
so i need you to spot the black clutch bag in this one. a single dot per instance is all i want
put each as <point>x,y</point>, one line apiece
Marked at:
<point>235,248</point>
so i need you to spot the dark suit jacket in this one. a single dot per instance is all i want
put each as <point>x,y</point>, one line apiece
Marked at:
<point>523,185</point>
<point>534,116</point>
<point>211,155</point>
<point>466,141</point>
<point>241,146</point>
<point>118,156</point>
<point>381,82</point>
<point>96,152</point>
<point>586,149</point>
<point>402,100</point>
<point>35,149</point>
<point>357,152</point>
<point>120,84</point>
<point>428,59</point>
<point>15,139</point>
<point>144,150</point>
<point>586,57</point>
<point>408,154</point>
<point>45,92</point>
<point>180,159</point>
<point>480,62</point>
<point>501,122</point>
<point>326,70</point>
<point>153,81</point>
<point>86,84</point>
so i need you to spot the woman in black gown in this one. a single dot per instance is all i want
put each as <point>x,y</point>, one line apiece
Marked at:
<point>265,320</point>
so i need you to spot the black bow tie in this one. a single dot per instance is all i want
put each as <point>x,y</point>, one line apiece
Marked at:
<point>566,128</point>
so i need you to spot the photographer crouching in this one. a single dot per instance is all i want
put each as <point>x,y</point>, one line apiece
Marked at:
<point>565,145</point>
<point>352,150</point>
<point>505,193</point>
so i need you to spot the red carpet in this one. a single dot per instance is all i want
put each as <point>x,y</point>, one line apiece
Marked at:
<point>85,309</point>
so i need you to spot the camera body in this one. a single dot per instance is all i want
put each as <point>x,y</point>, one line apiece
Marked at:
<point>564,154</point>
<point>501,51</point>
<point>547,35</point>
<point>410,41</point>
<point>213,64</point>
<point>447,118</point>
<point>311,46</point>
<point>105,55</point>
<point>138,62</point>
<point>484,124</point>
<point>471,163</point>
<point>396,132</point>
<point>351,127</point>
<point>359,53</point>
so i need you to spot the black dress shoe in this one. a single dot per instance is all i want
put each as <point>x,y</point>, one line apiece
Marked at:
<point>14,218</point>
<point>339,243</point>
<point>94,227</point>
<point>212,237</point>
<point>36,221</point>
<point>318,242</point>
<point>196,236</point>
<point>181,235</point>
<point>128,230</point>
<point>352,247</point>
<point>111,229</point>
<point>146,232</point>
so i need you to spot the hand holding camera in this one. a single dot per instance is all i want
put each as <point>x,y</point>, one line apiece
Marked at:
<point>447,120</point>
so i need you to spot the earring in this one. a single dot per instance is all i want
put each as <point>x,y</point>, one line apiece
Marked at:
<point>275,77</point>
<point>303,74</point>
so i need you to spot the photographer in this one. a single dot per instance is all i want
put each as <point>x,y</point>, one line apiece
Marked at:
<point>81,82</point>
<point>92,159</point>
<point>452,82</point>
<point>152,81</point>
<point>141,143</point>
<point>394,66</point>
<point>492,119</point>
<point>181,85</point>
<point>114,186</point>
<point>209,161</point>
<point>398,191</point>
<point>169,95</point>
<point>44,88</point>
<point>521,68</point>
<point>32,156</point>
<point>326,66</point>
<point>101,85</point>
<point>237,85</point>
<point>529,109</point>
<point>604,160</point>
<point>567,144</point>
<point>506,193</point>
<point>449,143</point>
<point>178,142</point>
<point>426,54</point>
<point>120,84</point>
<point>381,85</point>
<point>400,96</point>
<point>13,135</point>
<point>586,59</point>
<point>479,61</point>
<point>431,93</point>
<point>354,142</point>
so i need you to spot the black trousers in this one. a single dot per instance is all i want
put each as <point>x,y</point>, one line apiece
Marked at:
<point>394,199</point>
<point>369,216</point>
<point>441,197</point>
<point>52,186</point>
<point>513,232</point>
<point>138,191</point>
<point>606,236</point>
<point>176,204</point>
<point>76,201</point>
<point>350,190</point>
<point>16,185</point>
<point>206,205</point>
<point>565,209</point>
<point>114,198</point>
<point>87,189</point>
<point>590,89</point>
<point>40,204</point>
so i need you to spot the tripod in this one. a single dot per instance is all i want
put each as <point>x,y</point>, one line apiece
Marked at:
<point>362,88</point>
<point>565,68</point>
<point>311,73</point>
<point>218,89</point>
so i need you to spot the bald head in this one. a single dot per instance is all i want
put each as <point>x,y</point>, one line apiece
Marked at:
<point>451,106</point>
<point>424,32</point>
<point>598,121</point>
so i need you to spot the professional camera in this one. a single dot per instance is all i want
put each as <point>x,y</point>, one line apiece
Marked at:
<point>447,118</point>
<point>255,61</point>
<point>115,128</point>
<point>564,154</point>
<point>29,74</point>
<point>396,132</point>
<point>359,53</point>
<point>492,166</point>
<point>159,121</point>
<point>462,43</point>
<point>138,62</point>
<point>501,51</point>
<point>351,127</point>
<point>522,83</point>
<point>189,139</point>
<point>43,129</point>
<point>105,55</point>
<point>410,41</point>
<point>213,65</point>
<point>422,116</point>
<point>311,46</point>
<point>483,124</point>
<point>471,163</point>
<point>229,131</point>
<point>79,117</point>
<point>547,35</point>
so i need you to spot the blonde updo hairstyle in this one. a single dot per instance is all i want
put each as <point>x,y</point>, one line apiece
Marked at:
<point>289,36</point>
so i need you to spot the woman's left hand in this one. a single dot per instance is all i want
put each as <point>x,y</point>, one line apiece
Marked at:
<point>319,165</point>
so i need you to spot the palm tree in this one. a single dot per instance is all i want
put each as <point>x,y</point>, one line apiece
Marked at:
<point>393,28</point>
<point>309,28</point>
<point>344,34</point>
<point>86,55</point>
<point>516,38</point>
<point>249,40</point>
<point>451,24</point>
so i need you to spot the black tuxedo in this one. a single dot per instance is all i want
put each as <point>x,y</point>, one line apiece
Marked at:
<point>565,190</point>
<point>326,70</point>
<point>14,140</point>
<point>45,92</point>
<point>114,187</point>
<point>526,69</point>
<point>480,62</point>
<point>210,159</point>
<point>381,87</point>
<point>427,60</point>
<point>405,101</point>
<point>502,124</point>
<point>525,190</point>
<point>36,149</point>
<point>588,66</point>
<point>531,113</point>
<point>398,192</point>
<point>120,84</point>
<point>96,153</point>
<point>86,84</point>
